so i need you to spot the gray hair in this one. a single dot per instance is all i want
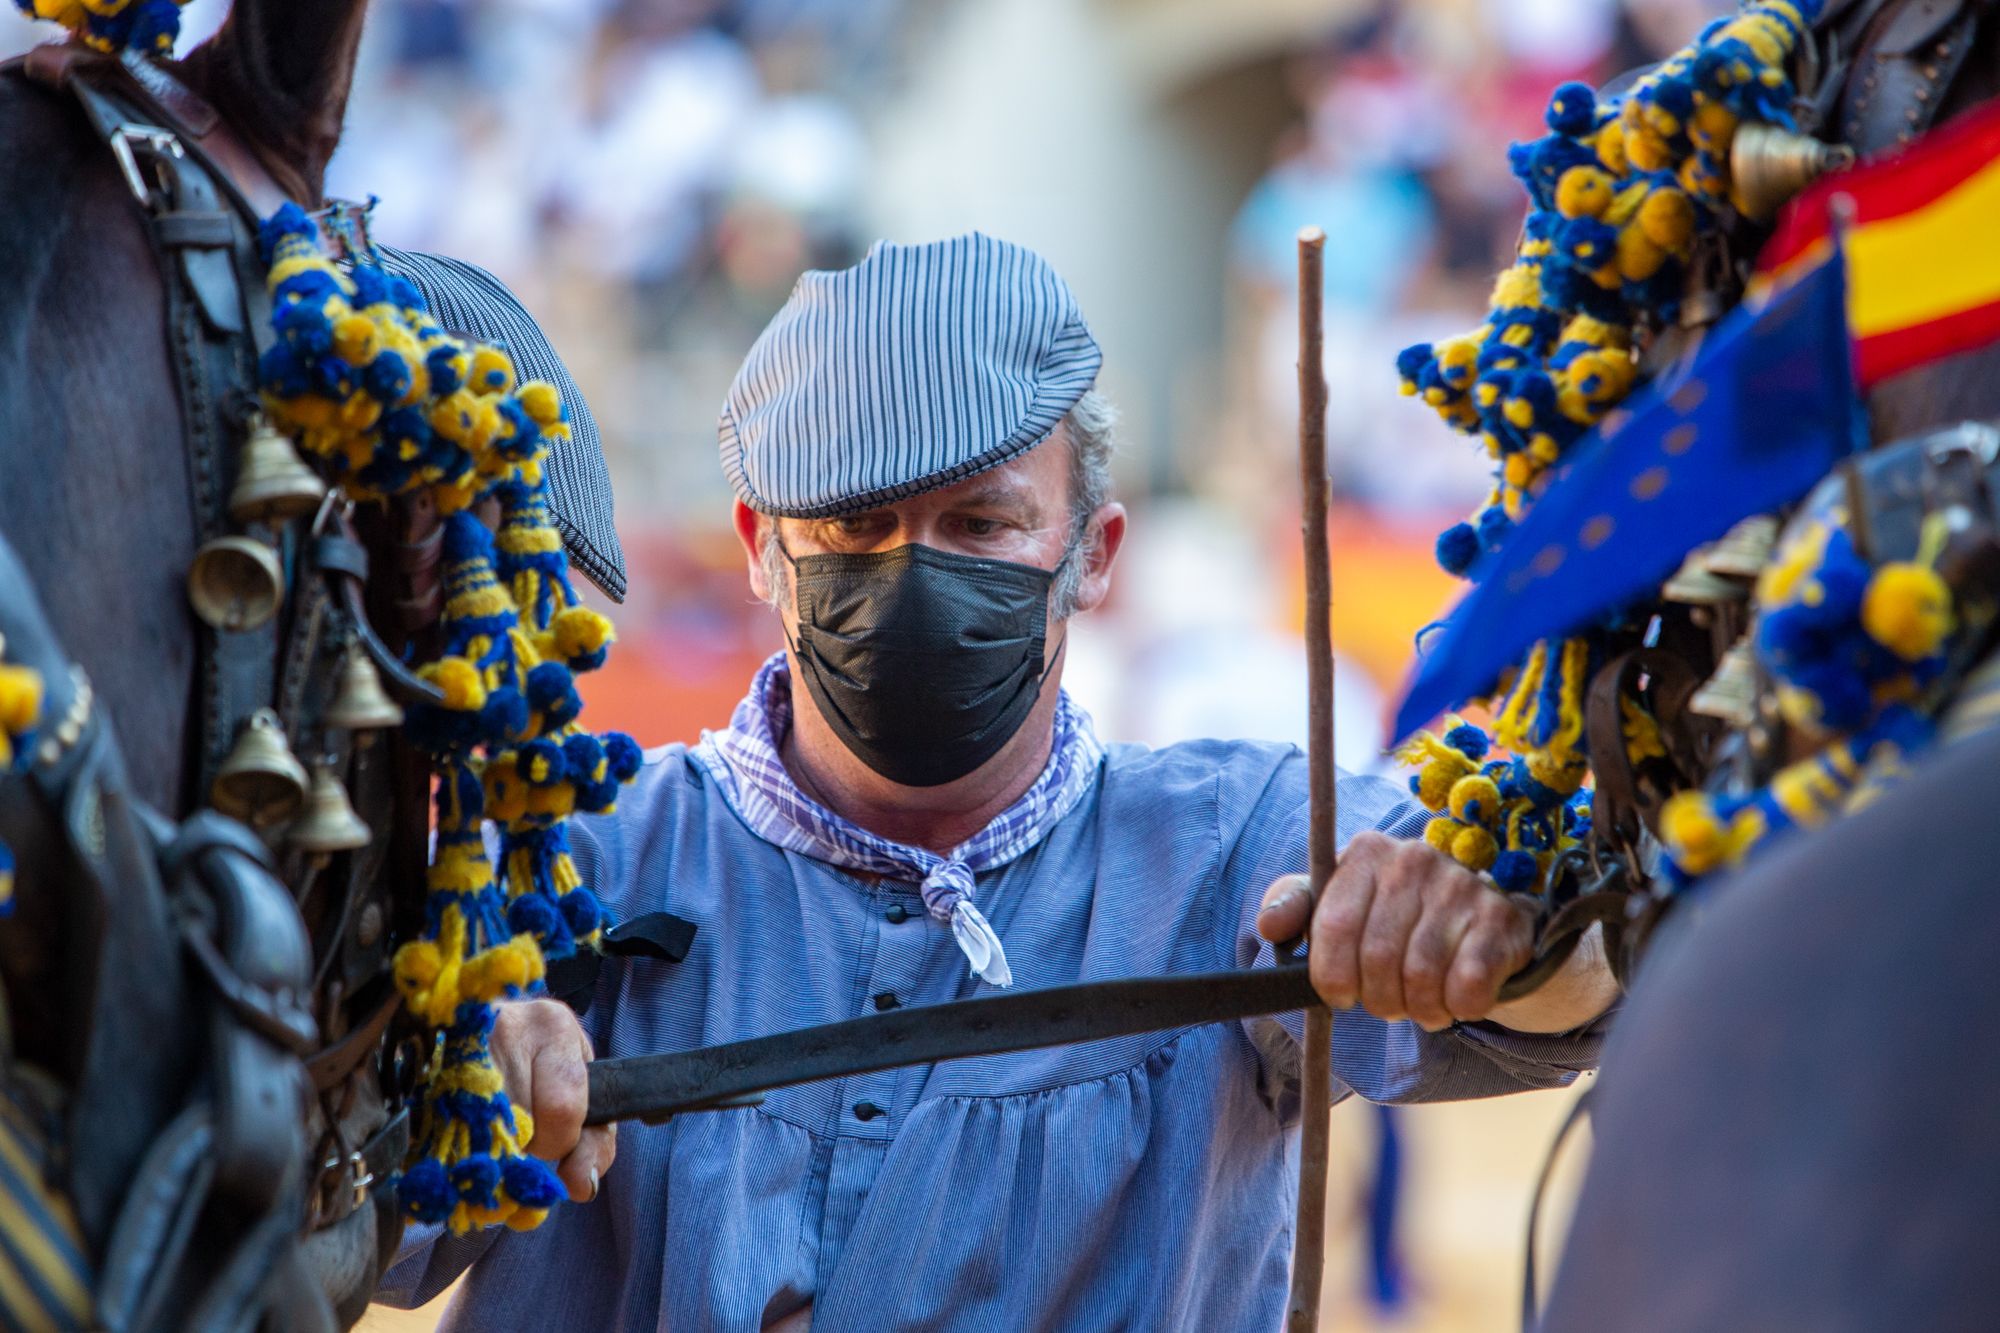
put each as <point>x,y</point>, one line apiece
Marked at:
<point>1091,424</point>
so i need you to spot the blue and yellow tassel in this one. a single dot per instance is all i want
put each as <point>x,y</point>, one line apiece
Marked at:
<point>369,383</point>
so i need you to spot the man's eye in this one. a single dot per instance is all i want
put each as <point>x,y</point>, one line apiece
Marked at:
<point>982,527</point>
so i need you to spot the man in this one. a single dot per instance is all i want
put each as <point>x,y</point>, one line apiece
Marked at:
<point>922,479</point>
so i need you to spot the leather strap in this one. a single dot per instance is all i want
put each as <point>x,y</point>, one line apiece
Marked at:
<point>654,1087</point>
<point>657,935</point>
<point>329,1068</point>
<point>1894,63</point>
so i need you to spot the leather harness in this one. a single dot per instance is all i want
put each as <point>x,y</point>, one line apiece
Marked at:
<point>250,1140</point>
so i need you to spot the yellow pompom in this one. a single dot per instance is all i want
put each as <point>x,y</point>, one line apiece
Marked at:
<point>1610,144</point>
<point>1562,773</point>
<point>20,698</point>
<point>1456,360</point>
<point>1712,128</point>
<point>542,402</point>
<point>1694,837</point>
<point>506,793</point>
<point>579,631</point>
<point>526,1219</point>
<point>512,966</point>
<point>1638,257</point>
<point>1519,284</point>
<point>492,371</point>
<point>1441,832</point>
<point>1647,149</point>
<point>463,688</point>
<point>1667,218</point>
<point>451,417</point>
<point>1475,799</point>
<point>355,340</point>
<point>1907,609</point>
<point>1583,192</point>
<point>1474,848</point>
<point>1520,470</point>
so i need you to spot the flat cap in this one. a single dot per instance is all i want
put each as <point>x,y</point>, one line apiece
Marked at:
<point>469,301</point>
<point>916,368</point>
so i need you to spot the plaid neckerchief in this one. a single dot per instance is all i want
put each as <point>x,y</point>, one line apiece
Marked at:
<point>744,760</point>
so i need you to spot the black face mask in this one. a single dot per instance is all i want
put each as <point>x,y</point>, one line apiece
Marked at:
<point>924,663</point>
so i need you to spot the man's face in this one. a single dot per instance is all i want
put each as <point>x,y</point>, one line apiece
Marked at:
<point>1018,512</point>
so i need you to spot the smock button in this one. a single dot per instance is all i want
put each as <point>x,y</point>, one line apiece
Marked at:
<point>867,1111</point>
<point>897,914</point>
<point>887,1000</point>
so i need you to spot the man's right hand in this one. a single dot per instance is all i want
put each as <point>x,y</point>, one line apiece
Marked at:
<point>541,1052</point>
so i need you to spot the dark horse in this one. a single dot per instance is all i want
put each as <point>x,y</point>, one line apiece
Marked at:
<point>95,500</point>
<point>1796,1128</point>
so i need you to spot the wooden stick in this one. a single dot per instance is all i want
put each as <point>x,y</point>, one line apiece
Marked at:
<point>1309,1238</point>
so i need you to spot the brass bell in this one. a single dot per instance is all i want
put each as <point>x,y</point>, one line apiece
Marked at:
<point>272,481</point>
<point>1768,165</point>
<point>236,583</point>
<point>361,704</point>
<point>1731,693</point>
<point>1694,585</point>
<point>260,782</point>
<point>1745,549</point>
<point>329,823</point>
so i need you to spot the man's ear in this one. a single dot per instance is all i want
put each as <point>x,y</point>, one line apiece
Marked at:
<point>750,531</point>
<point>1101,542</point>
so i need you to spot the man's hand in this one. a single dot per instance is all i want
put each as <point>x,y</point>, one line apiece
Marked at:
<point>541,1050</point>
<point>1406,932</point>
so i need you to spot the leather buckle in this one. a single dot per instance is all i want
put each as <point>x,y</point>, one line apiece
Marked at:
<point>363,1177</point>
<point>156,143</point>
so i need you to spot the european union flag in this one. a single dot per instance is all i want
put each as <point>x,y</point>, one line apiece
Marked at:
<point>1765,409</point>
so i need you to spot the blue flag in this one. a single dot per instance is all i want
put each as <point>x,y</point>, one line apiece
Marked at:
<point>1767,407</point>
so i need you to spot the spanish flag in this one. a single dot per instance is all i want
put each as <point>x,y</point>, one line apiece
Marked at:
<point>1919,227</point>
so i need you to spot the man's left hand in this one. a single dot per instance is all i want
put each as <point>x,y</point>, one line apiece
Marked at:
<point>1406,932</point>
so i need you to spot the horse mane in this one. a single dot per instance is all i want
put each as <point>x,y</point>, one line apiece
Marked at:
<point>279,71</point>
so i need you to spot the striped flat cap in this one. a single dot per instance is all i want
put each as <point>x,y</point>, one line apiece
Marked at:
<point>469,301</point>
<point>916,368</point>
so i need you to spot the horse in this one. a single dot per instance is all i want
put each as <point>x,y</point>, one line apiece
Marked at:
<point>1788,1133</point>
<point>97,475</point>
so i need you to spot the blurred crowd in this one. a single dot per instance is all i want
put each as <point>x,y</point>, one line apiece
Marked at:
<point>1399,152</point>
<point>651,176</point>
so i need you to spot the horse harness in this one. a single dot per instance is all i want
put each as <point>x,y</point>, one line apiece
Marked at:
<point>227,1116</point>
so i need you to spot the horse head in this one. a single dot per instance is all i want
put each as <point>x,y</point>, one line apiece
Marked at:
<point>279,72</point>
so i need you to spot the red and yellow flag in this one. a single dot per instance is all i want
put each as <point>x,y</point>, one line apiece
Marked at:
<point>1922,232</point>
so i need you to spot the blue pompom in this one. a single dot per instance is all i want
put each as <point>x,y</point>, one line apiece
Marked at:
<point>476,1179</point>
<point>1467,740</point>
<point>387,378</point>
<point>282,373</point>
<point>552,693</point>
<point>542,763</point>
<point>534,914</point>
<point>623,756</point>
<point>1494,527</point>
<point>582,911</point>
<point>1458,549</point>
<point>1573,110</point>
<point>443,367</point>
<point>584,752</point>
<point>505,713</point>
<point>425,1192</point>
<point>1515,872</point>
<point>1410,362</point>
<point>289,220</point>
<point>531,1183</point>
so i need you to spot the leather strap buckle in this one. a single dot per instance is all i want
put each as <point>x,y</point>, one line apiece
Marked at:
<point>127,142</point>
